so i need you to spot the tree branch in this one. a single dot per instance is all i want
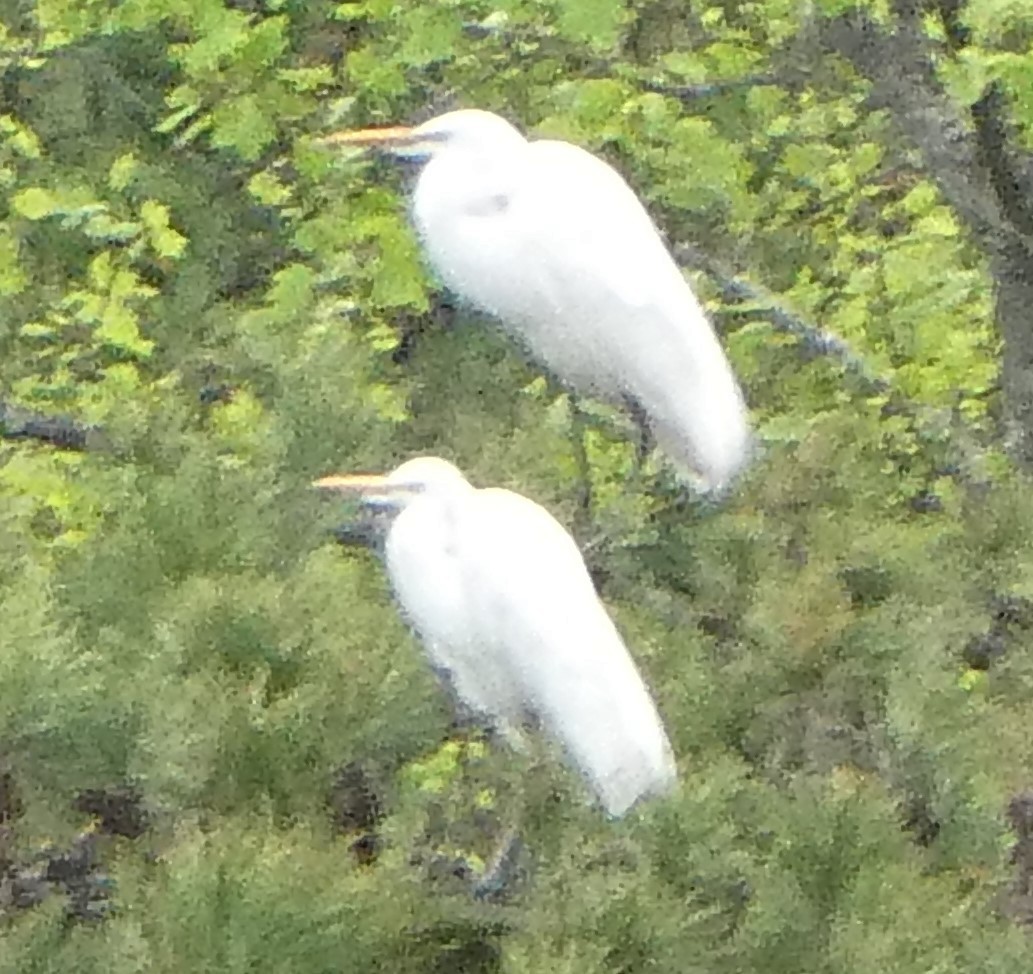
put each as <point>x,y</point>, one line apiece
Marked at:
<point>900,71</point>
<point>814,339</point>
<point>1009,169</point>
<point>963,456</point>
<point>687,93</point>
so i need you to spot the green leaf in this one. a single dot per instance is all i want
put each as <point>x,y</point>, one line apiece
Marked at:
<point>306,79</point>
<point>921,199</point>
<point>12,276</point>
<point>265,43</point>
<point>805,160</point>
<point>35,203</point>
<point>224,33</point>
<point>122,171</point>
<point>242,124</point>
<point>185,102</point>
<point>119,327</point>
<point>20,137</point>
<point>172,121</point>
<point>267,189</point>
<point>370,71</point>
<point>597,23</point>
<point>432,34</point>
<point>166,241</point>
<point>832,8</point>
<point>940,222</point>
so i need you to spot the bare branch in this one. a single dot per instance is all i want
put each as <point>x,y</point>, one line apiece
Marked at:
<point>937,427</point>
<point>687,93</point>
<point>817,340</point>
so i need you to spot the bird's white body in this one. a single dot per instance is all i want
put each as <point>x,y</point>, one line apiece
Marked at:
<point>553,242</point>
<point>500,596</point>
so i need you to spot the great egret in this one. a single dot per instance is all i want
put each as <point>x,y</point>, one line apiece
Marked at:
<point>552,241</point>
<point>500,596</point>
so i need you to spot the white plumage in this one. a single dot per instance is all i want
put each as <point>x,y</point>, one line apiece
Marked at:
<point>502,601</point>
<point>552,241</point>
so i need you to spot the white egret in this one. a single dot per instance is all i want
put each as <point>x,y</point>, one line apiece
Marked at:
<point>553,242</point>
<point>501,599</point>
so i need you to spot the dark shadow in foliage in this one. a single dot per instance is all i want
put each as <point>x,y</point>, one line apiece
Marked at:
<point>1012,611</point>
<point>11,809</point>
<point>412,327</point>
<point>725,629</point>
<point>984,649</point>
<point>119,810</point>
<point>76,872</point>
<point>11,805</point>
<point>472,947</point>
<point>356,809</point>
<point>918,819</point>
<point>926,502</point>
<point>1017,901</point>
<point>867,585</point>
<point>60,431</point>
<point>1010,616</point>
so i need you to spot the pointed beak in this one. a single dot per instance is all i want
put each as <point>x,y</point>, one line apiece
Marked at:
<point>391,135</point>
<point>398,140</point>
<point>353,485</point>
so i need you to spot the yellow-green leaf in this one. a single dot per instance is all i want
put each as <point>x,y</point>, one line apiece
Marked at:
<point>122,170</point>
<point>242,124</point>
<point>166,241</point>
<point>35,203</point>
<point>12,278</point>
<point>267,189</point>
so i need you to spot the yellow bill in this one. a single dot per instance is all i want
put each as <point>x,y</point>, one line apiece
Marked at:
<point>388,135</point>
<point>358,483</point>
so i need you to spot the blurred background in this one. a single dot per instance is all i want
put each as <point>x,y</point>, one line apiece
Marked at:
<point>220,749</point>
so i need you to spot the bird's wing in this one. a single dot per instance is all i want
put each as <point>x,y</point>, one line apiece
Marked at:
<point>429,577</point>
<point>552,241</point>
<point>538,232</point>
<point>540,617</point>
<point>596,224</point>
<point>615,313</point>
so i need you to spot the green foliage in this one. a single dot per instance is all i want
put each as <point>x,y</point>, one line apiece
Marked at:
<point>183,264</point>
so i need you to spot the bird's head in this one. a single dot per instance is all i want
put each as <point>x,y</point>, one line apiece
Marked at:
<point>396,490</point>
<point>467,128</point>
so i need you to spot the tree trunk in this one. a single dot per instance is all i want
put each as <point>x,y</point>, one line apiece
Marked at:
<point>983,174</point>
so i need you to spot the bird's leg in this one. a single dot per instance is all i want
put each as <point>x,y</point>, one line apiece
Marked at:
<point>508,866</point>
<point>498,877</point>
<point>472,732</point>
<point>646,442</point>
<point>444,834</point>
<point>579,423</point>
<point>662,481</point>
